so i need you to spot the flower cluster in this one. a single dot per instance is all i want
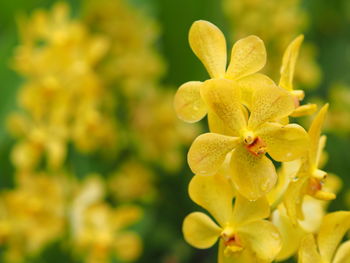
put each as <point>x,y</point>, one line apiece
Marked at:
<point>99,230</point>
<point>261,213</point>
<point>28,218</point>
<point>86,93</point>
<point>145,104</point>
<point>62,99</point>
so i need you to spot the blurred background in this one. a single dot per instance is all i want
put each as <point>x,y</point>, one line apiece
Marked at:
<point>92,157</point>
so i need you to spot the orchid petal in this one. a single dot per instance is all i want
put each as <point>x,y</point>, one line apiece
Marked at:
<point>253,176</point>
<point>209,45</point>
<point>208,152</point>
<point>188,103</point>
<point>248,56</point>
<point>200,231</point>
<point>215,194</point>
<point>284,142</point>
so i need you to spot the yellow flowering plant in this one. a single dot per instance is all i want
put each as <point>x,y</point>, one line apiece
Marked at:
<point>261,213</point>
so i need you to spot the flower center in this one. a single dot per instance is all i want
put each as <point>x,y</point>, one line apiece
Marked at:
<point>315,185</point>
<point>248,137</point>
<point>231,241</point>
<point>257,147</point>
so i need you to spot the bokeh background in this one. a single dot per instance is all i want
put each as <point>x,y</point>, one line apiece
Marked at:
<point>116,150</point>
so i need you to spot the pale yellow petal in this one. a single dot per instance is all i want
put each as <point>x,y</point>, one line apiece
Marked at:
<point>188,103</point>
<point>128,246</point>
<point>325,196</point>
<point>253,176</point>
<point>200,231</point>
<point>209,45</point>
<point>293,198</point>
<point>208,152</point>
<point>314,212</point>
<point>248,56</point>
<point>262,237</point>
<point>333,183</point>
<point>291,168</point>
<point>270,104</point>
<point>321,144</point>
<point>286,173</point>
<point>332,230</point>
<point>315,133</point>
<point>223,98</point>
<point>217,125</point>
<point>288,63</point>
<point>304,110</point>
<point>248,85</point>
<point>343,253</point>
<point>274,197</point>
<point>308,251</point>
<point>284,142</point>
<point>291,234</point>
<point>215,194</point>
<point>246,211</point>
<point>56,152</point>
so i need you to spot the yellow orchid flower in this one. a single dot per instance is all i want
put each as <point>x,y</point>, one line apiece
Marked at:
<point>132,182</point>
<point>28,219</point>
<point>287,74</point>
<point>326,248</point>
<point>99,231</point>
<point>244,234</point>
<point>248,139</point>
<point>292,234</point>
<point>248,56</point>
<point>309,179</point>
<point>312,209</point>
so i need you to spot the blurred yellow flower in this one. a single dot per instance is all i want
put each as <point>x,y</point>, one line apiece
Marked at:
<point>62,99</point>
<point>32,215</point>
<point>133,181</point>
<point>99,230</point>
<point>132,64</point>
<point>277,22</point>
<point>339,114</point>
<point>158,134</point>
<point>144,103</point>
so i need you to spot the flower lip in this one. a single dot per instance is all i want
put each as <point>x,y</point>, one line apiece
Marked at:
<point>314,186</point>
<point>231,240</point>
<point>257,147</point>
